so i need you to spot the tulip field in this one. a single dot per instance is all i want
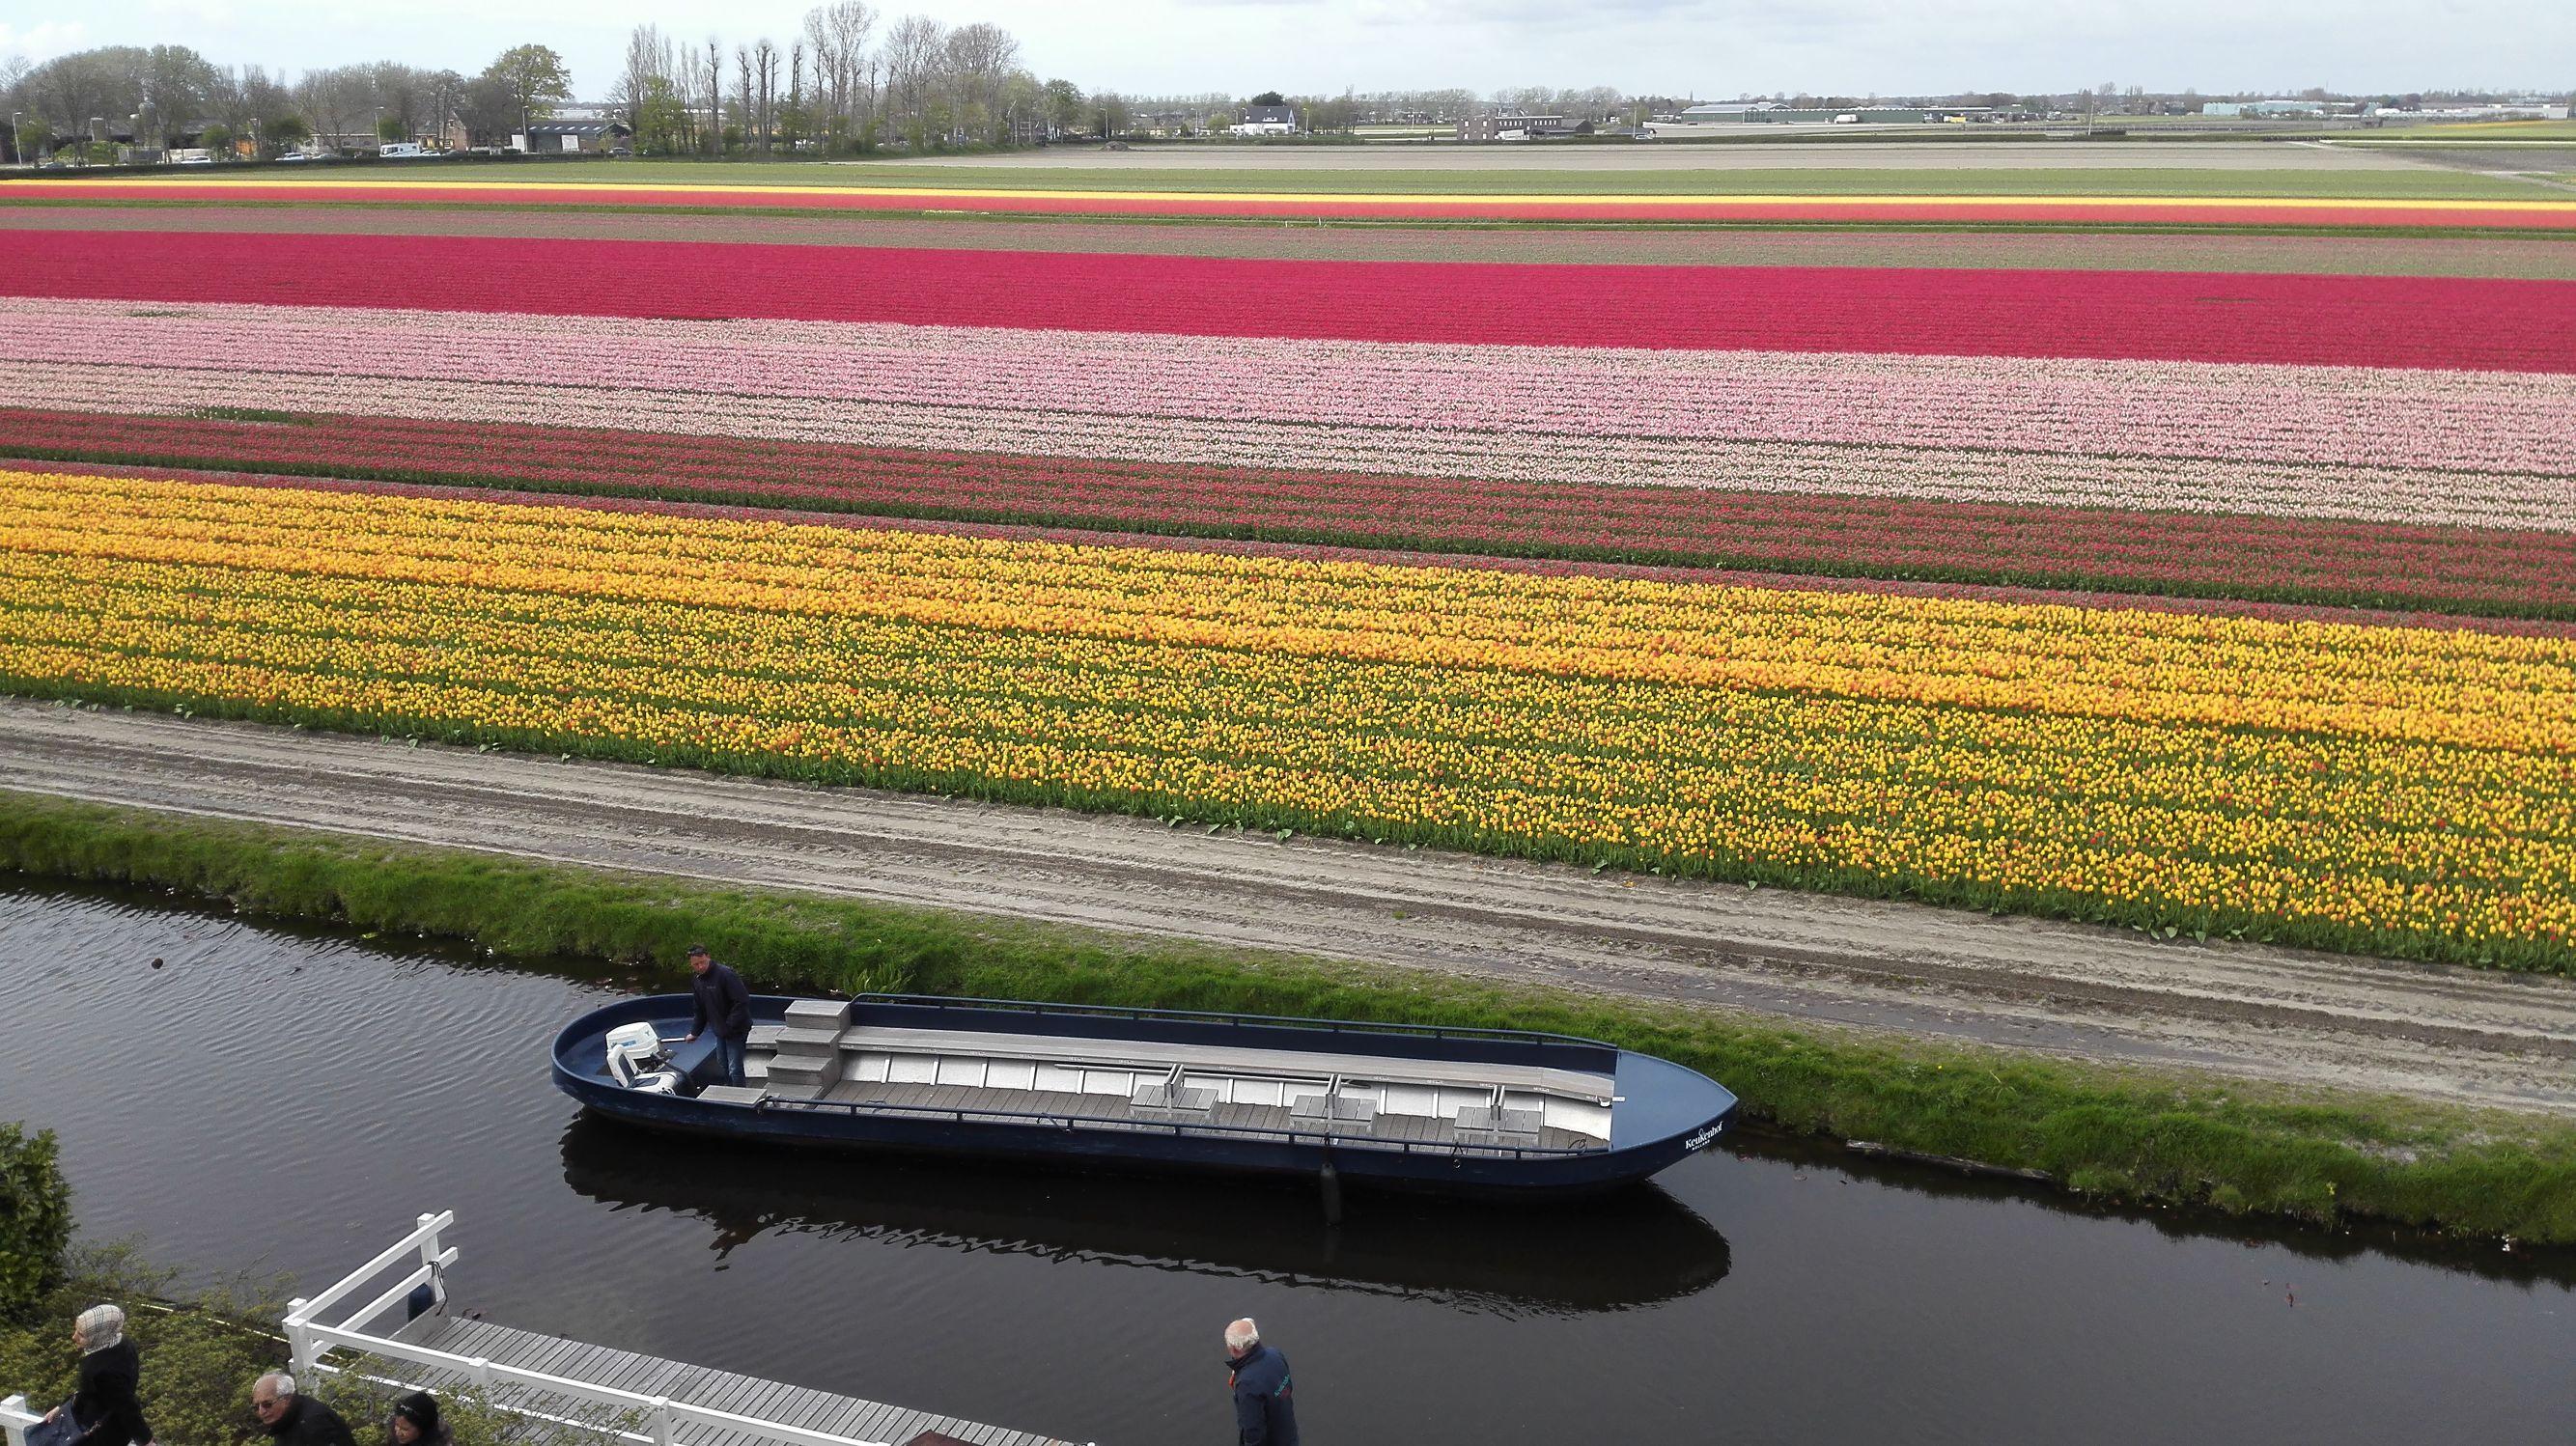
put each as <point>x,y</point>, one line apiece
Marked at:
<point>2225,602</point>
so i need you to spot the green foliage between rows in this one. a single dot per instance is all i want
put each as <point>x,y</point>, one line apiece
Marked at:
<point>2124,1134</point>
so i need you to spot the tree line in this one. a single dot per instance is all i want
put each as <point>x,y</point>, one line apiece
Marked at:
<point>155,94</point>
<point>848,80</point>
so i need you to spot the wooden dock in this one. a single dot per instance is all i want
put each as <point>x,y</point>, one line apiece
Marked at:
<point>553,1383</point>
<point>771,1401</point>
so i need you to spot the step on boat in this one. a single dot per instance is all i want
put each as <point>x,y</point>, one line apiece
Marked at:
<point>1471,1110</point>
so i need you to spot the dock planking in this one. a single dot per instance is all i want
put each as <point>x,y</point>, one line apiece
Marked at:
<point>765,1400</point>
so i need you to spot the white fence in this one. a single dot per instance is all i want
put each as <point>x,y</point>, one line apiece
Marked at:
<point>310,1338</point>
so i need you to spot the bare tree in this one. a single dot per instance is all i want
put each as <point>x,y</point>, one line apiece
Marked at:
<point>915,47</point>
<point>764,62</point>
<point>979,57</point>
<point>839,33</point>
<point>715,96</point>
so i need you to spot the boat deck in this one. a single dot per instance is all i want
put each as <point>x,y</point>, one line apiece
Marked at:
<point>1113,1111</point>
<point>771,1401</point>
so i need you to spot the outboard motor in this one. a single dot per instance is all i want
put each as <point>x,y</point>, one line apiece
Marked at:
<point>636,1061</point>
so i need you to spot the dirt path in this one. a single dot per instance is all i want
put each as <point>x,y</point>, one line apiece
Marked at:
<point>2436,1033</point>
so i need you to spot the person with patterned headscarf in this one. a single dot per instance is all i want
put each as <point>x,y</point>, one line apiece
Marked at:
<point>104,1407</point>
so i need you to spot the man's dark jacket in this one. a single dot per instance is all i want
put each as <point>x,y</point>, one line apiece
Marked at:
<point>1264,1413</point>
<point>105,1397</point>
<point>307,1422</point>
<point>722,1001</point>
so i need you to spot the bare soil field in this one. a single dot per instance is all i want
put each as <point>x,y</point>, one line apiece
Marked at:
<point>2428,1032</point>
<point>2484,255</point>
<point>1748,155</point>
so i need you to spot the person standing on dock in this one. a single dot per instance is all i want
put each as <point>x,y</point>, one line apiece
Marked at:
<point>722,1004</point>
<point>1265,1413</point>
<point>294,1420</point>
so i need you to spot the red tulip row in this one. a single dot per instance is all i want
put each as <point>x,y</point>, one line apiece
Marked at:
<point>2449,322</point>
<point>2486,571</point>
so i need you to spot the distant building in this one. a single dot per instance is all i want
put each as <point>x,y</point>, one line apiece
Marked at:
<point>1265,120</point>
<point>557,137</point>
<point>1519,127</point>
<point>2223,109</point>
<point>1729,115</point>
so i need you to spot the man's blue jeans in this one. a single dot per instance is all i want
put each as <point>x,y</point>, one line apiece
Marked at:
<point>730,1052</point>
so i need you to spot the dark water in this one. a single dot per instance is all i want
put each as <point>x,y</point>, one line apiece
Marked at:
<point>290,1100</point>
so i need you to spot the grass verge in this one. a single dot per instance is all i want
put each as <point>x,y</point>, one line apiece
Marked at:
<point>2124,1134</point>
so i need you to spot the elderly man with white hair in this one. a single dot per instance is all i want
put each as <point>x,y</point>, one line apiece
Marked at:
<point>105,1409</point>
<point>1265,1411</point>
<point>295,1420</point>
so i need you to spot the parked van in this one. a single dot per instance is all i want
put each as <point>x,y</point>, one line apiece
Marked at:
<point>1847,119</point>
<point>401,151</point>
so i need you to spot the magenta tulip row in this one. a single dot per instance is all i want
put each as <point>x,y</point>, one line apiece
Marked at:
<point>2511,422</point>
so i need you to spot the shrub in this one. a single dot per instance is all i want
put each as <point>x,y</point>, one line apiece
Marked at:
<point>35,1220</point>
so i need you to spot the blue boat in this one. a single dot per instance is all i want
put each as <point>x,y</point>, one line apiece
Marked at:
<point>1476,1111</point>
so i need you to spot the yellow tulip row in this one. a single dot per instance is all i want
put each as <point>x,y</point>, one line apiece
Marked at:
<point>2376,787</point>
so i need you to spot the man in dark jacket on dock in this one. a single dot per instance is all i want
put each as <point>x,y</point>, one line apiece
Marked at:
<point>293,1420</point>
<point>723,1005</point>
<point>1265,1414</point>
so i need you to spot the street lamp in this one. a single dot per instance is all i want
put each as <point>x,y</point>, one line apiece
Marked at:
<point>17,140</point>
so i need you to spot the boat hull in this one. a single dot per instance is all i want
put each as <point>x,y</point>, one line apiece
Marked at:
<point>1690,1114</point>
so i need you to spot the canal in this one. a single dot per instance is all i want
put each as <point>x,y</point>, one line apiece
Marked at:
<point>287,1100</point>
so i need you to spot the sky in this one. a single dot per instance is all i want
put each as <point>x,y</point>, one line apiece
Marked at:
<point>1715,48</point>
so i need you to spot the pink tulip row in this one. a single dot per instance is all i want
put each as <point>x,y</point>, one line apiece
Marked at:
<point>2450,421</point>
<point>2176,484</point>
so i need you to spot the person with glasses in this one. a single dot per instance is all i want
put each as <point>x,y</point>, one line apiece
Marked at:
<point>295,1420</point>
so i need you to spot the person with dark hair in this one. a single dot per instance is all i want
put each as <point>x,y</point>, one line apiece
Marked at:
<point>721,1003</point>
<point>416,1423</point>
<point>104,1409</point>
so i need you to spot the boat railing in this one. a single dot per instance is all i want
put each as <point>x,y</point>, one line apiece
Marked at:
<point>1132,1125</point>
<point>1536,1038</point>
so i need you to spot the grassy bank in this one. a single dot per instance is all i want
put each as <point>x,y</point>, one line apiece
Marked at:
<point>2125,1134</point>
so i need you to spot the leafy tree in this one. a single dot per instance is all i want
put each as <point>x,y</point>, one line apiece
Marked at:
<point>391,128</point>
<point>534,78</point>
<point>34,133</point>
<point>218,140</point>
<point>661,120</point>
<point>1063,104</point>
<point>35,1219</point>
<point>486,109</point>
<point>285,133</point>
<point>1268,97</point>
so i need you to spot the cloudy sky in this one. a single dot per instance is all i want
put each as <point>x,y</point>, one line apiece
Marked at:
<point>1712,48</point>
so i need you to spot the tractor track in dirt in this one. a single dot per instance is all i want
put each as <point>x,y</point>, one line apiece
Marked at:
<point>2437,1033</point>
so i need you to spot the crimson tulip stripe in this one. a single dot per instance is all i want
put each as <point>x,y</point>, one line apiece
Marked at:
<point>2440,322</point>
<point>2487,571</point>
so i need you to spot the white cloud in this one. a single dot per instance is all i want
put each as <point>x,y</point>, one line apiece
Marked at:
<point>44,41</point>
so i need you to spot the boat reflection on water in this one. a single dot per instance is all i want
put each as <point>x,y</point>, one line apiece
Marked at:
<point>1635,1247</point>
